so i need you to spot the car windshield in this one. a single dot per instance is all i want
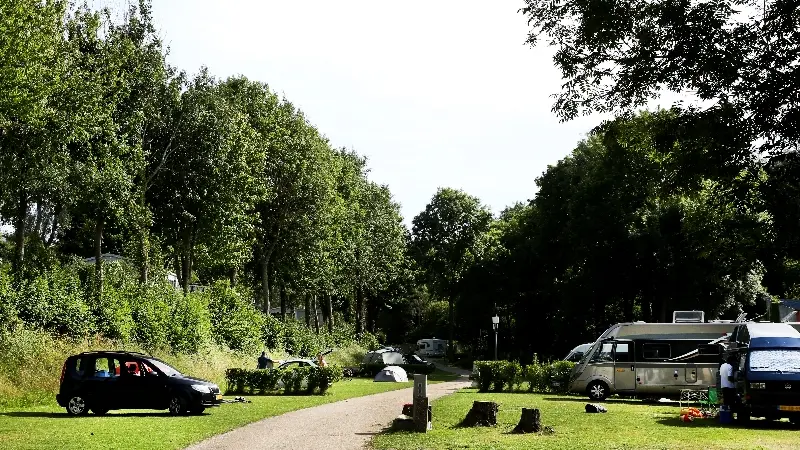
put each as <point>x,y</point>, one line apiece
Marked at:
<point>775,360</point>
<point>164,367</point>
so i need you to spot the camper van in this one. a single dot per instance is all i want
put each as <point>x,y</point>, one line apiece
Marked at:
<point>432,348</point>
<point>767,375</point>
<point>652,359</point>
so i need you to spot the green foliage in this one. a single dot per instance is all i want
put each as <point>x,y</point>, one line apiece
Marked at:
<point>317,380</point>
<point>234,320</point>
<point>498,376</point>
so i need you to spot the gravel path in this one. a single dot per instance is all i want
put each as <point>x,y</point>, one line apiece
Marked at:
<point>347,424</point>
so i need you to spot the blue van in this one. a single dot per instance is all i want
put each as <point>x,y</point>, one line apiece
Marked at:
<point>767,376</point>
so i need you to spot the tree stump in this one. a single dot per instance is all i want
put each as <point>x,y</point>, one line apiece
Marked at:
<point>530,422</point>
<point>482,414</point>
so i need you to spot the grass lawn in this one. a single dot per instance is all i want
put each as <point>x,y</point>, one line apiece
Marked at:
<point>628,424</point>
<point>49,427</point>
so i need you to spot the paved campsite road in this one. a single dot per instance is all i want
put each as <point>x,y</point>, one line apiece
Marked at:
<point>344,425</point>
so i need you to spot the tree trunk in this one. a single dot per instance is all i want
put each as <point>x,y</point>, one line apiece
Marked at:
<point>37,227</point>
<point>234,276</point>
<point>265,300</point>
<point>316,314</point>
<point>98,258</point>
<point>283,302</point>
<point>176,267</point>
<point>188,260</point>
<point>451,327</point>
<point>359,310</point>
<point>483,413</point>
<point>529,422</point>
<point>54,226</point>
<point>19,236</point>
<point>347,308</point>
<point>307,306</point>
<point>144,255</point>
<point>330,313</point>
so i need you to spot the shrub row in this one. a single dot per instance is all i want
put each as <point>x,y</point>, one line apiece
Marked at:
<point>252,381</point>
<point>157,316</point>
<point>500,376</point>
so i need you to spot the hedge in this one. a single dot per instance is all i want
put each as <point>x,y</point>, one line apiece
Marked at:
<point>253,381</point>
<point>501,376</point>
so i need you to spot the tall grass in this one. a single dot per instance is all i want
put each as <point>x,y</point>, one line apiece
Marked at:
<point>31,362</point>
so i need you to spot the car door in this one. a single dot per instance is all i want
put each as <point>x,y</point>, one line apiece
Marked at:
<point>153,392</point>
<point>624,366</point>
<point>136,388</point>
<point>102,383</point>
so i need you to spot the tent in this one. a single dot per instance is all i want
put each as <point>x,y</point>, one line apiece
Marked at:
<point>392,373</point>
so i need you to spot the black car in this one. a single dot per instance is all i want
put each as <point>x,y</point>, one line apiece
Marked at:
<point>105,380</point>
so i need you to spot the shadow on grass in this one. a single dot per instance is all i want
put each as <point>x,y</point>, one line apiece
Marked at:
<point>613,401</point>
<point>64,415</point>
<point>714,423</point>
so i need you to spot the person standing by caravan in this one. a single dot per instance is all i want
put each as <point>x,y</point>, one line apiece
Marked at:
<point>726,382</point>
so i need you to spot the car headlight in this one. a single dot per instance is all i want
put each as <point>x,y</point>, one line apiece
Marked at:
<point>201,388</point>
<point>757,386</point>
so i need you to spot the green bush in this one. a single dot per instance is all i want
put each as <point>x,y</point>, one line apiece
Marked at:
<point>53,302</point>
<point>319,380</point>
<point>235,322</point>
<point>509,375</point>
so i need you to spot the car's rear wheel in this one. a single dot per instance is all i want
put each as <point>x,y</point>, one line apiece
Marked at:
<point>100,411</point>
<point>77,406</point>
<point>177,406</point>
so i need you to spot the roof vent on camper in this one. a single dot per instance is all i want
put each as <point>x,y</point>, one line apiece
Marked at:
<point>688,317</point>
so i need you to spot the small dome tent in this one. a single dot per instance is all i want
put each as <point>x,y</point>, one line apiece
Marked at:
<point>392,374</point>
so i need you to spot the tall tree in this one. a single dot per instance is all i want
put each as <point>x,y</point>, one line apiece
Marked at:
<point>32,63</point>
<point>446,238</point>
<point>740,54</point>
<point>205,190</point>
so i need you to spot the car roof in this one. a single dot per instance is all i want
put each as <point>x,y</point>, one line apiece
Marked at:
<point>298,360</point>
<point>113,352</point>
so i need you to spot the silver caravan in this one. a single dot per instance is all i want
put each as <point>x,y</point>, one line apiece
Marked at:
<point>651,359</point>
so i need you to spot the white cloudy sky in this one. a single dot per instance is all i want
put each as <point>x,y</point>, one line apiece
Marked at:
<point>434,93</point>
<point>438,93</point>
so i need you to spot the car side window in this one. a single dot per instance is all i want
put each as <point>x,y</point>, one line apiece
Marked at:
<point>105,367</point>
<point>147,370</point>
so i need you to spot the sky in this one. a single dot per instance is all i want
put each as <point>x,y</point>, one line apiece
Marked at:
<point>435,93</point>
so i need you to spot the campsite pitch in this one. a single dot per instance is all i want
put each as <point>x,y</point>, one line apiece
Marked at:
<point>50,427</point>
<point>627,424</point>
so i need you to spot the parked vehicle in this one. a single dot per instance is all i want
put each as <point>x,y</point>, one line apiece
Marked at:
<point>375,361</point>
<point>432,348</point>
<point>576,353</point>
<point>104,380</point>
<point>651,359</point>
<point>767,376</point>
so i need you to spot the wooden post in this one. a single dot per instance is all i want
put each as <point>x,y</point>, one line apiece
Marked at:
<point>422,415</point>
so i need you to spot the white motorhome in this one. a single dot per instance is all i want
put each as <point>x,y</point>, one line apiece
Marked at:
<point>432,347</point>
<point>652,359</point>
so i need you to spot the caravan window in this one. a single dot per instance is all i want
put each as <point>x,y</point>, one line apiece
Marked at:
<point>605,353</point>
<point>656,351</point>
<point>622,352</point>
